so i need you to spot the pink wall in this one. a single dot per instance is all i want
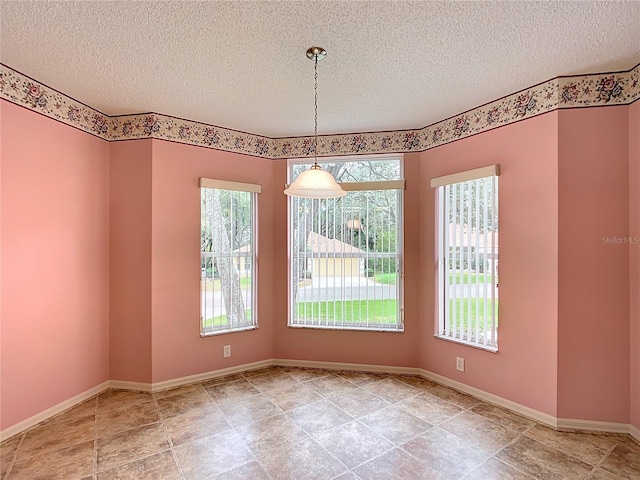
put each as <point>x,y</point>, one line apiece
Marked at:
<point>130,261</point>
<point>177,348</point>
<point>634,259</point>
<point>373,348</point>
<point>120,224</point>
<point>55,263</point>
<point>524,369</point>
<point>593,307</point>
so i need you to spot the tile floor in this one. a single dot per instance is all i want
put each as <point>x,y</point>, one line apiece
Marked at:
<point>290,423</point>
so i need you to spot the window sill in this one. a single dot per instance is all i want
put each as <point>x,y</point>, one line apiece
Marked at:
<point>468,344</point>
<point>223,332</point>
<point>350,329</point>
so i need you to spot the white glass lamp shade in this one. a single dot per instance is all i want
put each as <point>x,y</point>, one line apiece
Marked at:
<point>315,183</point>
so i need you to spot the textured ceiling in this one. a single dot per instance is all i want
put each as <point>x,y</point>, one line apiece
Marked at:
<point>242,65</point>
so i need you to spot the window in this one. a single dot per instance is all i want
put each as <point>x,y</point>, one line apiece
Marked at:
<point>345,254</point>
<point>227,256</point>
<point>468,257</point>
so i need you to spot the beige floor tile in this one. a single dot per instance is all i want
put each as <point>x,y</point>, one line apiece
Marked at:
<point>187,389</point>
<point>362,378</point>
<point>292,396</point>
<point>417,382</point>
<point>303,425</point>
<point>396,465</point>
<point>458,399</point>
<point>395,424</point>
<point>624,461</point>
<point>211,456</point>
<point>306,460</point>
<point>262,371</point>
<point>494,469</point>
<point>51,436</point>
<point>445,453</point>
<point>70,463</point>
<point>180,402</point>
<point>272,435</point>
<point>128,446</point>
<point>125,417</point>
<point>249,409</point>
<point>118,397</point>
<point>330,385</point>
<point>319,416</point>
<point>272,381</point>
<point>160,466</point>
<point>479,432</point>
<point>249,471</point>
<point>353,443</point>
<point>231,391</point>
<point>503,417</point>
<point>430,408</point>
<point>543,461</point>
<point>347,476</point>
<point>8,450</point>
<point>224,379</point>
<point>586,447</point>
<point>305,374</point>
<point>82,410</point>
<point>601,474</point>
<point>358,402</point>
<point>195,424</point>
<point>391,390</point>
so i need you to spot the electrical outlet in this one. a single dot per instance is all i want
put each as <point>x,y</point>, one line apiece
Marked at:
<point>460,364</point>
<point>226,351</point>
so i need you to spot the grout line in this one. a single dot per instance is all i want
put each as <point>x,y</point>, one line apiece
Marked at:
<point>517,469</point>
<point>15,456</point>
<point>602,460</point>
<point>166,432</point>
<point>571,455</point>
<point>328,396</point>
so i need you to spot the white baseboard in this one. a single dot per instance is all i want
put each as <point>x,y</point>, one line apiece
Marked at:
<point>189,379</point>
<point>535,415</point>
<point>203,377</point>
<point>357,367</point>
<point>125,385</point>
<point>569,424</point>
<point>530,413</point>
<point>52,411</point>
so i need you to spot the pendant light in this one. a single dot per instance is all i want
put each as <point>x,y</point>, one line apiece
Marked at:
<point>315,182</point>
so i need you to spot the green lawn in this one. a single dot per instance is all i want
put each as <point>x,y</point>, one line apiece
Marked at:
<point>352,311</point>
<point>385,311</point>
<point>465,277</point>
<point>470,277</point>
<point>374,312</point>
<point>213,284</point>
<point>385,278</point>
<point>466,312</point>
<point>221,321</point>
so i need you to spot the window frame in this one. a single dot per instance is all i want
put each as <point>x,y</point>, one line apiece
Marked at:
<point>440,185</point>
<point>254,190</point>
<point>398,184</point>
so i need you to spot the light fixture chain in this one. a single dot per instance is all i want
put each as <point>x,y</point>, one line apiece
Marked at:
<point>315,182</point>
<point>315,119</point>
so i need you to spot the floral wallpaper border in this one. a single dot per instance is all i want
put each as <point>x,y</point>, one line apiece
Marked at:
<point>619,88</point>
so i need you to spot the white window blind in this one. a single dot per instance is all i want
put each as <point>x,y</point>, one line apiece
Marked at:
<point>345,254</point>
<point>468,257</point>
<point>228,256</point>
